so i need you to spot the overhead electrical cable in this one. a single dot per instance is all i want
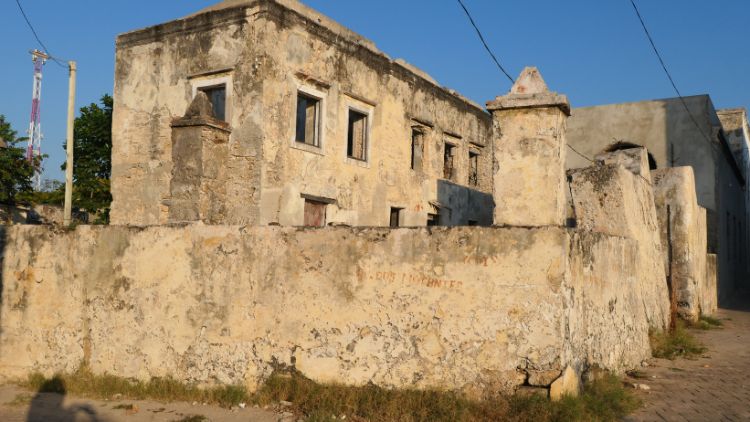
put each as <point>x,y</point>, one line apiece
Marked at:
<point>669,75</point>
<point>481,38</point>
<point>33,31</point>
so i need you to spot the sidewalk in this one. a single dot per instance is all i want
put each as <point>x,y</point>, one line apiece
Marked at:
<point>714,387</point>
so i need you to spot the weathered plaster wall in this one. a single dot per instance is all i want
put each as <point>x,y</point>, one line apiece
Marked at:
<point>470,308</point>
<point>265,51</point>
<point>709,299</point>
<point>610,199</point>
<point>683,236</point>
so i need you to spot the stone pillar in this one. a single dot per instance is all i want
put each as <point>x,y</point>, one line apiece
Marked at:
<point>529,153</point>
<point>199,157</point>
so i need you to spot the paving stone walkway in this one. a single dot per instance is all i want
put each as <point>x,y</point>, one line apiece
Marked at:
<point>714,387</point>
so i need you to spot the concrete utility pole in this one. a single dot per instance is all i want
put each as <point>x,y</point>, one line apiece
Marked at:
<point>69,146</point>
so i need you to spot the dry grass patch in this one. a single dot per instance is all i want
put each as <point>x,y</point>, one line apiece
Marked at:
<point>706,322</point>
<point>676,343</point>
<point>602,400</point>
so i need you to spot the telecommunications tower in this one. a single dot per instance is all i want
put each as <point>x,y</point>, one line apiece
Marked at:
<point>34,148</point>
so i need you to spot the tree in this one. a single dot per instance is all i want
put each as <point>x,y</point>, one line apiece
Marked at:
<point>92,164</point>
<point>15,171</point>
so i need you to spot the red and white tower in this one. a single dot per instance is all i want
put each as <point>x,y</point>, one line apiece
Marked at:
<point>34,148</point>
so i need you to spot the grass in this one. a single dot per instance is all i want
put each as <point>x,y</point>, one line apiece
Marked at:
<point>84,383</point>
<point>20,400</point>
<point>193,418</point>
<point>676,343</point>
<point>605,399</point>
<point>706,322</point>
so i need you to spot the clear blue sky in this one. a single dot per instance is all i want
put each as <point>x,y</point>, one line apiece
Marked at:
<point>592,50</point>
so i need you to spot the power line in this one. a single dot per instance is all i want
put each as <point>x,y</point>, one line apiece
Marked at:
<point>669,76</point>
<point>481,38</point>
<point>33,31</point>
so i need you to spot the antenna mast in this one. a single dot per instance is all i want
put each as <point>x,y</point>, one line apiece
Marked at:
<point>34,148</point>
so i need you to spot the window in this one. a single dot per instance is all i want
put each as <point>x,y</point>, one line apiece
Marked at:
<point>315,213</point>
<point>473,223</point>
<point>217,94</point>
<point>473,168</point>
<point>417,148</point>
<point>433,220</point>
<point>396,217</point>
<point>448,168</point>
<point>356,145</point>
<point>308,120</point>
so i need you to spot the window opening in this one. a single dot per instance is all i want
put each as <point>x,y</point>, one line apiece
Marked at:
<point>448,164</point>
<point>315,213</point>
<point>395,217</point>
<point>473,168</point>
<point>217,95</point>
<point>308,111</point>
<point>433,219</point>
<point>417,148</point>
<point>356,145</point>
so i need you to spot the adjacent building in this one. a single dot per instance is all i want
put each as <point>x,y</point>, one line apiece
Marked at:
<point>675,137</point>
<point>322,127</point>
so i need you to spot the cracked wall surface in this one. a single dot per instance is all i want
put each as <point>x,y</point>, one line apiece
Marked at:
<point>458,308</point>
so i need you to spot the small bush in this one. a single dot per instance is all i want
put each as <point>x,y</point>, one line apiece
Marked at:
<point>676,343</point>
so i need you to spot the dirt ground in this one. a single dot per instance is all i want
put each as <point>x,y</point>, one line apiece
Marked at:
<point>19,405</point>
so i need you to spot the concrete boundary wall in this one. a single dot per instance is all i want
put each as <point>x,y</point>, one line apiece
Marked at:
<point>459,308</point>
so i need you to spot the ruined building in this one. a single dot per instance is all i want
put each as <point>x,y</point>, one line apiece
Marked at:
<point>253,116</point>
<point>670,134</point>
<point>312,125</point>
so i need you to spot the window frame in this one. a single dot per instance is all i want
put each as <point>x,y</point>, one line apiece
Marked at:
<point>200,83</point>
<point>368,110</point>
<point>477,154</point>
<point>454,147</point>
<point>321,96</point>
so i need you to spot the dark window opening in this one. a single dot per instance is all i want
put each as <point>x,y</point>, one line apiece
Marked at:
<point>473,223</point>
<point>433,220</point>
<point>417,148</point>
<point>217,95</point>
<point>308,111</point>
<point>473,168</point>
<point>395,217</point>
<point>356,145</point>
<point>448,164</point>
<point>315,213</point>
<point>621,145</point>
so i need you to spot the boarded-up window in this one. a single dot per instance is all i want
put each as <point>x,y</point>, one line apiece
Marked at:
<point>417,148</point>
<point>356,146</point>
<point>396,217</point>
<point>473,168</point>
<point>308,112</point>
<point>217,94</point>
<point>315,213</point>
<point>448,161</point>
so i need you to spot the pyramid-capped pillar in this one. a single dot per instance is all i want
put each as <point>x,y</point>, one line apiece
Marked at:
<point>529,146</point>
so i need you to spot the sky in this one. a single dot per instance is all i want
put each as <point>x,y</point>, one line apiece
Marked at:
<point>594,51</point>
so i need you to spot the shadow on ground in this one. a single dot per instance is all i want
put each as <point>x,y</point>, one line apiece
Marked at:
<point>48,405</point>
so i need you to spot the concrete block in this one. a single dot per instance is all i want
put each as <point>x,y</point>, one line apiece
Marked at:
<point>634,160</point>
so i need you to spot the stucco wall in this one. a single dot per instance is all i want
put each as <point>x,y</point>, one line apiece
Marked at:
<point>683,236</point>
<point>458,308</point>
<point>265,51</point>
<point>610,199</point>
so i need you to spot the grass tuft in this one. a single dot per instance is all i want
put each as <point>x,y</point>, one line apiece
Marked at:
<point>676,343</point>
<point>706,322</point>
<point>605,399</point>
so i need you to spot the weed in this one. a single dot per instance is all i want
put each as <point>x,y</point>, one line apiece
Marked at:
<point>124,407</point>
<point>706,322</point>
<point>84,383</point>
<point>676,343</point>
<point>604,399</point>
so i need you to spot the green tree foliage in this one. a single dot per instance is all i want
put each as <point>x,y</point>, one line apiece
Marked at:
<point>92,165</point>
<point>15,171</point>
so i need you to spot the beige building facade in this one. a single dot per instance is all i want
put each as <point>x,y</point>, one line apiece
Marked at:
<point>322,127</point>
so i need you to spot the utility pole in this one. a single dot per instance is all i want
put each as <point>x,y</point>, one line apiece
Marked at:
<point>69,145</point>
